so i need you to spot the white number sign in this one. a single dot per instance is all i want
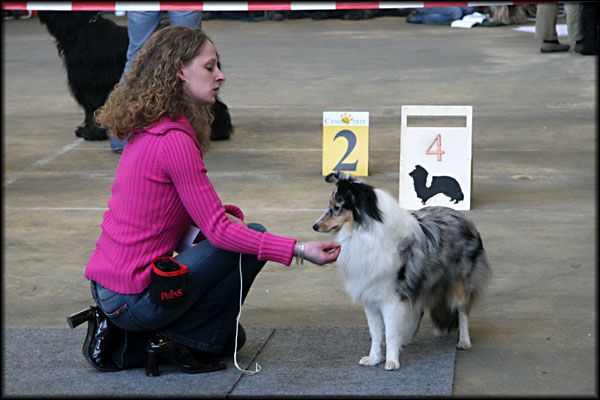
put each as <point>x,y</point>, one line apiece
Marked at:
<point>435,157</point>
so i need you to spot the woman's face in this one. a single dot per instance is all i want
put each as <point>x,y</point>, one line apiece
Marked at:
<point>202,77</point>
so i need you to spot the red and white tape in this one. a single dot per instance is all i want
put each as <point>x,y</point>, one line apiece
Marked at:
<point>240,5</point>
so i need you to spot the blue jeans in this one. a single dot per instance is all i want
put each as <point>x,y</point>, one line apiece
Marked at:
<point>439,14</point>
<point>140,26</point>
<point>205,320</point>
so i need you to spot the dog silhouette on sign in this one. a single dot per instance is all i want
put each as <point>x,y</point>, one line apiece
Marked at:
<point>439,184</point>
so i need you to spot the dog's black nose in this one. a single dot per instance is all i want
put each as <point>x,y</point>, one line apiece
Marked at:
<point>316,227</point>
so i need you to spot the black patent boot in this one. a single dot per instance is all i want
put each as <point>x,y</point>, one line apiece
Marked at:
<point>101,339</point>
<point>161,348</point>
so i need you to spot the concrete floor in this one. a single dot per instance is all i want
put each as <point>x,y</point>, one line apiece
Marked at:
<point>534,180</point>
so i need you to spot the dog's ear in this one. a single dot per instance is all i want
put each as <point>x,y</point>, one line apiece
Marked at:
<point>333,177</point>
<point>337,176</point>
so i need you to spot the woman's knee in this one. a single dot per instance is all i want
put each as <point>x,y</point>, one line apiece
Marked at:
<point>257,227</point>
<point>252,265</point>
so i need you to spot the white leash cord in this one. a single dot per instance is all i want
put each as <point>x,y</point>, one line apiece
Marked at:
<point>257,368</point>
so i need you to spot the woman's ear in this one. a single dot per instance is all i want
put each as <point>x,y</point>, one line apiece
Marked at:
<point>180,72</point>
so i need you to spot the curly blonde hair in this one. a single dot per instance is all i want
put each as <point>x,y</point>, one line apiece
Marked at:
<point>152,90</point>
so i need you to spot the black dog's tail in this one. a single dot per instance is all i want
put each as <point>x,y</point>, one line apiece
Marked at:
<point>221,127</point>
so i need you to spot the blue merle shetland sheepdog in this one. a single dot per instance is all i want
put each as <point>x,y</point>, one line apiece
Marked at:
<point>398,263</point>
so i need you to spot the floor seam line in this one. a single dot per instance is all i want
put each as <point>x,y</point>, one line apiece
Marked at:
<point>39,163</point>
<point>251,361</point>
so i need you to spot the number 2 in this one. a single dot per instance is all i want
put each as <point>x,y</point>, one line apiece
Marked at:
<point>351,138</point>
<point>438,152</point>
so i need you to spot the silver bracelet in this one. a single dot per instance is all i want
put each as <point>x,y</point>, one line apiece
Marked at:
<point>300,256</point>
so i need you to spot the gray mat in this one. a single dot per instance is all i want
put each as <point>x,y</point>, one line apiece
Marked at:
<point>316,361</point>
<point>48,362</point>
<point>323,361</point>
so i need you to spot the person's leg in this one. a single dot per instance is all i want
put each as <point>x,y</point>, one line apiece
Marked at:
<point>574,22</point>
<point>140,25</point>
<point>589,29</point>
<point>545,22</point>
<point>428,15</point>
<point>467,10</point>
<point>453,13</point>
<point>129,346</point>
<point>207,267</point>
<point>209,323</point>
<point>191,19</point>
<point>435,18</point>
<point>545,28</point>
<point>430,10</point>
<point>204,320</point>
<point>442,14</point>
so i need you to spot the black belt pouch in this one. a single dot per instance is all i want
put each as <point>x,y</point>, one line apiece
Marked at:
<point>169,284</point>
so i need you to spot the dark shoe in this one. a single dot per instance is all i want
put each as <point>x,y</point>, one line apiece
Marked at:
<point>580,47</point>
<point>101,339</point>
<point>551,46</point>
<point>163,348</point>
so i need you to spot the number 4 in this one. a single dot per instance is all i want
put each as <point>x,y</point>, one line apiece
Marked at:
<point>438,152</point>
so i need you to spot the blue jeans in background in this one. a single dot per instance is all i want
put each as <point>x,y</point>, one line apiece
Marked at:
<point>205,320</point>
<point>140,26</point>
<point>437,15</point>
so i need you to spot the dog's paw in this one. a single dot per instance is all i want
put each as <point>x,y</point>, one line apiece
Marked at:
<point>93,133</point>
<point>369,361</point>
<point>80,131</point>
<point>463,345</point>
<point>392,365</point>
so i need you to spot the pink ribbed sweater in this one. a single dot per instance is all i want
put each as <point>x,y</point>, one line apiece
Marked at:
<point>159,190</point>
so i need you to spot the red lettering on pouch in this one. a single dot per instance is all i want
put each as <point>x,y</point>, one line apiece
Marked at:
<point>171,295</point>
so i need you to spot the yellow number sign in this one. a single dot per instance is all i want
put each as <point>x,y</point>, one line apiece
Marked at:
<point>346,142</point>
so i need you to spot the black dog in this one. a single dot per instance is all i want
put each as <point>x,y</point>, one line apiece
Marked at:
<point>94,52</point>
<point>439,184</point>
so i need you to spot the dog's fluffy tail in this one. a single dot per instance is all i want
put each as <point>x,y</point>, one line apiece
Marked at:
<point>444,318</point>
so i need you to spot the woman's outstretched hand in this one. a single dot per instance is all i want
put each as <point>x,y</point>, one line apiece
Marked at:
<point>319,252</point>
